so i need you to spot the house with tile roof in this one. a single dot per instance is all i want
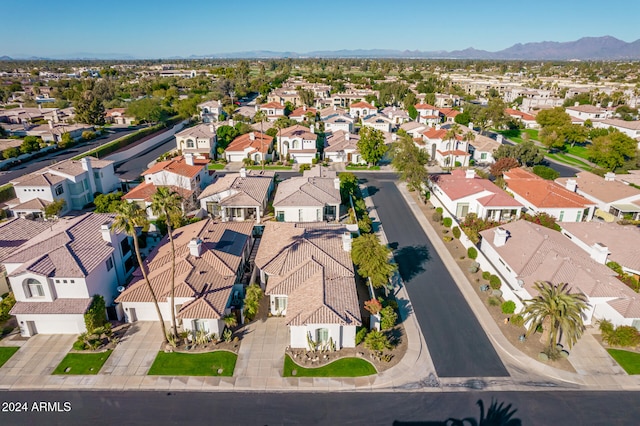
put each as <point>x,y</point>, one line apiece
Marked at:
<point>462,192</point>
<point>528,120</point>
<point>307,272</point>
<point>340,122</point>
<point>74,181</point>
<point>299,143</point>
<point>613,199</point>
<point>254,145</point>
<point>199,140</point>
<point>482,149</point>
<point>119,117</point>
<point>362,109</point>
<point>210,111</point>
<point>397,115</point>
<point>448,114</point>
<point>414,128</point>
<point>313,197</point>
<point>428,114</point>
<point>446,152</point>
<point>184,175</point>
<point>330,111</point>
<point>342,147</point>
<point>539,195</point>
<point>274,110</point>
<point>589,112</point>
<point>239,196</point>
<point>524,252</point>
<point>629,128</point>
<point>56,273</point>
<point>210,261</point>
<point>378,122</point>
<point>302,114</point>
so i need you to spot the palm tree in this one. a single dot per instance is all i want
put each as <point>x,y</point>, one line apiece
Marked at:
<point>128,217</point>
<point>169,204</point>
<point>260,117</point>
<point>469,137</point>
<point>561,311</point>
<point>452,135</point>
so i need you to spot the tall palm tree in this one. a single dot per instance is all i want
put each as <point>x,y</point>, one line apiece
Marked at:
<point>559,309</point>
<point>469,137</point>
<point>128,217</point>
<point>168,203</point>
<point>452,135</point>
<point>261,116</point>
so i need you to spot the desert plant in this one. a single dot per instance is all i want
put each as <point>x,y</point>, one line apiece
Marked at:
<point>606,327</point>
<point>436,216</point>
<point>252,301</point>
<point>494,282</point>
<point>623,335</point>
<point>172,339</point>
<point>361,334</point>
<point>373,306</point>
<point>226,335</point>
<point>493,301</point>
<point>439,210</point>
<point>388,318</point>
<point>377,341</point>
<point>508,307</point>
<point>456,232</point>
<point>447,238</point>
<point>472,252</point>
<point>230,320</point>
<point>486,275</point>
<point>517,320</point>
<point>474,267</point>
<point>447,222</point>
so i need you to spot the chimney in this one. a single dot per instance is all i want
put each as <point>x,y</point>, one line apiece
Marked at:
<point>609,177</point>
<point>336,183</point>
<point>598,105</point>
<point>243,172</point>
<point>576,104</point>
<point>105,230</point>
<point>571,185</point>
<point>86,164</point>
<point>312,128</point>
<point>195,247</point>
<point>304,107</point>
<point>394,137</point>
<point>469,174</point>
<point>231,122</point>
<point>212,129</point>
<point>188,158</point>
<point>373,103</point>
<point>500,237</point>
<point>252,136</point>
<point>599,253</point>
<point>50,124</point>
<point>347,136</point>
<point>346,241</point>
<point>394,108</point>
<point>257,108</point>
<point>610,105</point>
<point>471,125</point>
<point>281,101</point>
<point>437,127</point>
<point>335,107</point>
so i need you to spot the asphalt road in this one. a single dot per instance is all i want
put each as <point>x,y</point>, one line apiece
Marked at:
<point>457,343</point>
<point>336,409</point>
<point>132,168</point>
<point>38,163</point>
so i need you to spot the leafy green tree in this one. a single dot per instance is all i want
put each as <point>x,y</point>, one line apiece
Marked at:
<point>558,311</point>
<point>555,117</point>
<point>574,133</point>
<point>252,301</point>
<point>107,203</point>
<point>463,118</point>
<point>410,162</point>
<point>545,172</point>
<point>372,259</point>
<point>613,150</point>
<point>10,153</point>
<point>128,217</point>
<point>348,186</point>
<point>552,137</point>
<point>30,144</point>
<point>90,110</point>
<point>169,204</point>
<point>413,112</point>
<point>495,112</point>
<point>53,209</point>
<point>147,110</point>
<point>306,96</point>
<point>371,145</point>
<point>187,108</point>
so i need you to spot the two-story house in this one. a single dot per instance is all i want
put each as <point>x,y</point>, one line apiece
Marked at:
<point>210,111</point>
<point>74,181</point>
<point>446,151</point>
<point>299,143</point>
<point>397,115</point>
<point>589,112</point>
<point>338,122</point>
<point>342,147</point>
<point>55,275</point>
<point>313,197</point>
<point>210,260</point>
<point>303,114</point>
<point>362,109</point>
<point>428,114</point>
<point>378,122</point>
<point>254,145</point>
<point>274,110</point>
<point>199,140</point>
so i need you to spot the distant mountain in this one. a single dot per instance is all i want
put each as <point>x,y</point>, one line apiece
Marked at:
<point>6,58</point>
<point>587,48</point>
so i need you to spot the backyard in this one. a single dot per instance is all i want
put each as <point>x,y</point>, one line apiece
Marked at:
<point>82,363</point>
<point>218,363</point>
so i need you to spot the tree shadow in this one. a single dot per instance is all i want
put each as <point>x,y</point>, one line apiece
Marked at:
<point>497,414</point>
<point>410,260</point>
<point>372,190</point>
<point>405,308</point>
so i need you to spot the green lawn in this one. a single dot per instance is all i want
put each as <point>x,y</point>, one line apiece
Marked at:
<point>345,367</point>
<point>630,361</point>
<point>578,150</point>
<point>79,363</point>
<point>516,135</point>
<point>355,167</point>
<point>7,352</point>
<point>186,364</point>
<point>569,160</point>
<point>269,167</point>
<point>216,166</point>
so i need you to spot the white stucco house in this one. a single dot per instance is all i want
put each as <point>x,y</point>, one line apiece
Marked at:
<point>56,274</point>
<point>338,122</point>
<point>342,147</point>
<point>210,259</point>
<point>446,152</point>
<point>589,112</point>
<point>74,181</point>
<point>303,114</point>
<point>274,110</point>
<point>307,273</point>
<point>539,195</point>
<point>299,143</point>
<point>428,114</point>
<point>199,140</point>
<point>397,115</point>
<point>254,145</point>
<point>629,128</point>
<point>313,197</point>
<point>482,149</point>
<point>378,122</point>
<point>238,196</point>
<point>362,109</point>
<point>210,111</point>
<point>524,252</point>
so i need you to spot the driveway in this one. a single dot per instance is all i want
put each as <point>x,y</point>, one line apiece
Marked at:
<point>457,343</point>
<point>38,356</point>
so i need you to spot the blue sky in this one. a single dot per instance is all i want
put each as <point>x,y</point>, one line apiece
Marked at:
<point>162,28</point>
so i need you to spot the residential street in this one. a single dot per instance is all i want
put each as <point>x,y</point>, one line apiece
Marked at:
<point>132,168</point>
<point>457,343</point>
<point>337,408</point>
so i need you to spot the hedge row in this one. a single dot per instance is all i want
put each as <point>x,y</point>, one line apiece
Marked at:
<point>7,192</point>
<point>124,141</point>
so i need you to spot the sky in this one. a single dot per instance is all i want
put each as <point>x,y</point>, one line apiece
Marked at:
<point>162,28</point>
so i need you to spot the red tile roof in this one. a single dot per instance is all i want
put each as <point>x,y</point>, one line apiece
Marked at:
<point>456,186</point>
<point>523,115</point>
<point>145,192</point>
<point>300,112</point>
<point>362,105</point>
<point>449,112</point>
<point>424,106</point>
<point>261,142</point>
<point>276,105</point>
<point>543,193</point>
<point>178,166</point>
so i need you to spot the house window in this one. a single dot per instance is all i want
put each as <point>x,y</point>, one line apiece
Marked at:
<point>59,190</point>
<point>578,216</point>
<point>322,335</point>
<point>483,156</point>
<point>281,304</point>
<point>561,215</point>
<point>319,215</point>
<point>190,143</point>
<point>33,288</point>
<point>72,281</point>
<point>299,215</point>
<point>109,264</point>
<point>200,325</point>
<point>280,216</point>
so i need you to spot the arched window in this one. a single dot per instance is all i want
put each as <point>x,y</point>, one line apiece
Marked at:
<point>33,288</point>
<point>190,143</point>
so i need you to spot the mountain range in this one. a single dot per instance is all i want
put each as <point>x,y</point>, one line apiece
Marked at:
<point>586,48</point>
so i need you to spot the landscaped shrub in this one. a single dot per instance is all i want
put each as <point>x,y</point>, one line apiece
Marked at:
<point>373,306</point>
<point>361,334</point>
<point>79,345</point>
<point>377,341</point>
<point>436,216</point>
<point>304,167</point>
<point>447,222</point>
<point>388,318</point>
<point>252,301</point>
<point>5,306</point>
<point>508,307</point>
<point>474,267</point>
<point>517,320</point>
<point>447,238</point>
<point>495,282</point>
<point>623,335</point>
<point>486,275</point>
<point>493,301</point>
<point>456,232</point>
<point>439,210</point>
<point>472,252</point>
<point>96,315</point>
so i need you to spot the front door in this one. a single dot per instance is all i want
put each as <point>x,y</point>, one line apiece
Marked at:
<point>132,315</point>
<point>31,327</point>
<point>349,157</point>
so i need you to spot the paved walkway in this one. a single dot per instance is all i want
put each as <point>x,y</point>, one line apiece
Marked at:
<point>588,357</point>
<point>136,351</point>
